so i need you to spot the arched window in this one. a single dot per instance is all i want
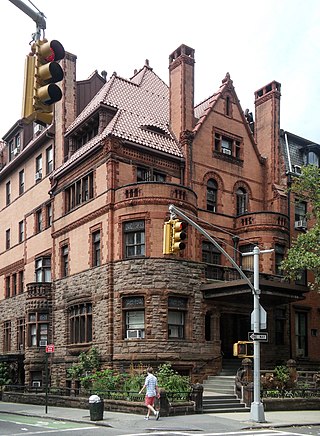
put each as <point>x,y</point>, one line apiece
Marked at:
<point>242,201</point>
<point>212,191</point>
<point>312,158</point>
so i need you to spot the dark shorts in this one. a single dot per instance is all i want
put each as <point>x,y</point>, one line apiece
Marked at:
<point>149,401</point>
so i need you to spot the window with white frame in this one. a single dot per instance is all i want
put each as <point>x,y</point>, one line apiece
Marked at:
<point>133,315</point>
<point>38,327</point>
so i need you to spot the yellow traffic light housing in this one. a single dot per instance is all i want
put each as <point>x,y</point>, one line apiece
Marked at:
<point>243,349</point>
<point>173,236</point>
<point>178,235</point>
<point>42,72</point>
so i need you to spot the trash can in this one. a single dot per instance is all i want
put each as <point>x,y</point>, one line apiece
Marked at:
<point>96,407</point>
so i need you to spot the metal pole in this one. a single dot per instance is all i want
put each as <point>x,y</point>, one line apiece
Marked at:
<point>257,410</point>
<point>47,376</point>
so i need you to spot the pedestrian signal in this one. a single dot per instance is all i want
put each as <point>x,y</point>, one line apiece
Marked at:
<point>243,349</point>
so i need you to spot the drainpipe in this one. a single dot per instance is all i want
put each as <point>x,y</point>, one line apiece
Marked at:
<point>289,178</point>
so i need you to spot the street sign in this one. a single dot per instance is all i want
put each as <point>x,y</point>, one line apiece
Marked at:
<point>261,337</point>
<point>263,319</point>
<point>50,348</point>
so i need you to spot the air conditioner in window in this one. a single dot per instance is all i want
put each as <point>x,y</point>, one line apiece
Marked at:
<point>226,151</point>
<point>36,384</point>
<point>21,347</point>
<point>297,169</point>
<point>16,151</point>
<point>301,224</point>
<point>38,175</point>
<point>38,129</point>
<point>43,343</point>
<point>134,334</point>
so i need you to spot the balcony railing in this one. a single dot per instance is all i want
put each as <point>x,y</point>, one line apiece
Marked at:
<point>39,290</point>
<point>269,219</point>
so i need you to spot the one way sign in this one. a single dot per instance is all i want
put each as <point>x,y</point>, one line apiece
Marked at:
<point>262,337</point>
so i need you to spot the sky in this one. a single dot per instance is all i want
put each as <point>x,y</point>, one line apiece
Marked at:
<point>256,41</point>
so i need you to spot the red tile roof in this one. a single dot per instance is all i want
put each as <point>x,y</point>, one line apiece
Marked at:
<point>141,101</point>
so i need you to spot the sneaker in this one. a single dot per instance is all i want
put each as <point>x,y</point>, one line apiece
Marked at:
<point>146,418</point>
<point>157,415</point>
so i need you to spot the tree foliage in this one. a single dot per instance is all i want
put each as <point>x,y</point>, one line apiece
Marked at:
<point>305,251</point>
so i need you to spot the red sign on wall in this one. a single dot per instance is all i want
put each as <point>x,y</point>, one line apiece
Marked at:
<point>50,348</point>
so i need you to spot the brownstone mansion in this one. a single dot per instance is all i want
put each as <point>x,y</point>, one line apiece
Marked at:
<point>82,207</point>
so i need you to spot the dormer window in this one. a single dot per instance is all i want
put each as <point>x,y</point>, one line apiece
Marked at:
<point>312,158</point>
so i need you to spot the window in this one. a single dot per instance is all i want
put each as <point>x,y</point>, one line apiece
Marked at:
<point>134,238</point>
<point>133,311</point>
<point>8,287</point>
<point>242,201</point>
<point>14,284</point>
<point>8,243</point>
<point>227,145</point>
<point>177,307</point>
<point>279,256</point>
<point>246,262</point>
<point>149,175</point>
<point>11,148</point>
<point>280,322</point>
<point>301,331</point>
<point>80,323</point>
<point>21,282</point>
<point>212,256</point>
<point>300,212</point>
<point>49,160</point>
<point>38,326</point>
<point>21,182</point>
<point>38,168</point>
<point>21,231</point>
<point>39,221</point>
<point>43,269</point>
<point>79,192</point>
<point>212,189</point>
<point>7,336</point>
<point>8,193</point>
<point>20,334</point>
<point>48,214</point>
<point>96,249</point>
<point>64,261</point>
<point>312,158</point>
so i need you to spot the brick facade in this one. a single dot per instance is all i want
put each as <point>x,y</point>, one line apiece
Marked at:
<point>151,148</point>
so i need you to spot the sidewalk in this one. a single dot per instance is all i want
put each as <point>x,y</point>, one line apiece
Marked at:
<point>200,422</point>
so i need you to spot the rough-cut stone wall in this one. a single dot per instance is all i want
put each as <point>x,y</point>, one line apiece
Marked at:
<point>155,280</point>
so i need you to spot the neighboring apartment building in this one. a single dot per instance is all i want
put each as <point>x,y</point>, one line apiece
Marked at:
<point>82,207</point>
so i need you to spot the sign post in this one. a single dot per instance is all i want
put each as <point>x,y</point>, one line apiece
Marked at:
<point>49,349</point>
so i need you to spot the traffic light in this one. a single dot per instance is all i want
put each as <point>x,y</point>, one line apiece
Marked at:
<point>167,237</point>
<point>243,349</point>
<point>173,235</point>
<point>178,235</point>
<point>42,72</point>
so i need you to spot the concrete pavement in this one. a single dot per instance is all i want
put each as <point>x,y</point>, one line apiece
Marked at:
<point>199,422</point>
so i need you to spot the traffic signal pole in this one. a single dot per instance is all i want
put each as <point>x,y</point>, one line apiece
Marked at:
<point>257,410</point>
<point>37,17</point>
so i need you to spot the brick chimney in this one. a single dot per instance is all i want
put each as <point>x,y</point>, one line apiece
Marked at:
<point>181,83</point>
<point>267,125</point>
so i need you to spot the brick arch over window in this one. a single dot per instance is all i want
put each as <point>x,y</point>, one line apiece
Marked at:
<point>207,181</point>
<point>241,197</point>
